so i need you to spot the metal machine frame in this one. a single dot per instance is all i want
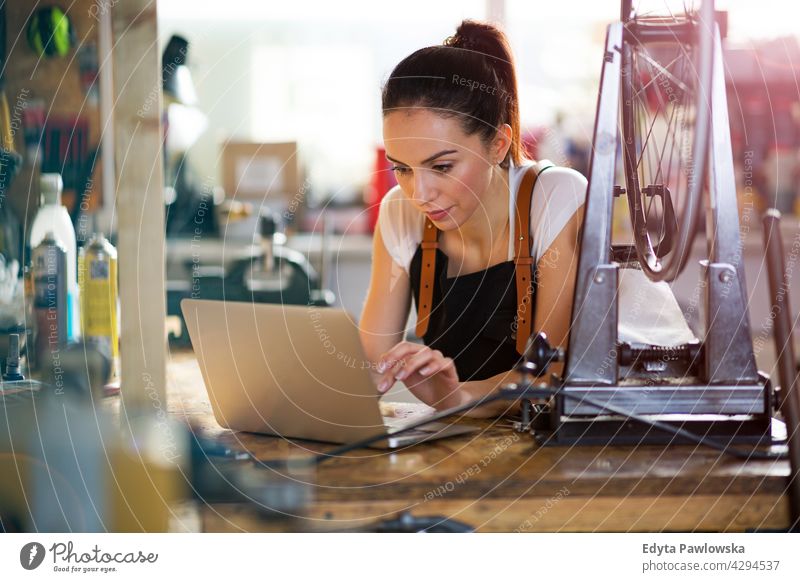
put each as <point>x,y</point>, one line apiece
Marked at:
<point>711,388</point>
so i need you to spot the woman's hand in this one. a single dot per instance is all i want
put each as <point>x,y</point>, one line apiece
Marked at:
<point>427,373</point>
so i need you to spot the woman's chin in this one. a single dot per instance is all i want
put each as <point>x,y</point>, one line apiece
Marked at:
<point>446,224</point>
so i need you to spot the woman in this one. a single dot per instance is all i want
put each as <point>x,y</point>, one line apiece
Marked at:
<point>451,128</point>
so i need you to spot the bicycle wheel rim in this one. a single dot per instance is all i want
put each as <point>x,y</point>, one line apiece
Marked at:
<point>648,162</point>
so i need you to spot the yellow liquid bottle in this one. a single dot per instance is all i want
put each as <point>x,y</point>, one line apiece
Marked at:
<point>97,279</point>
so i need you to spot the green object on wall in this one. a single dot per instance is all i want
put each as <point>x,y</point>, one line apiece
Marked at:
<point>50,32</point>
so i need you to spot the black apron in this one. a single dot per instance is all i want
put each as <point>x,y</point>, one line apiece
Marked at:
<point>473,316</point>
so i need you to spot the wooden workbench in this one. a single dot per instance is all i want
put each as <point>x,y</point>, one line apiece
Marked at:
<point>499,480</point>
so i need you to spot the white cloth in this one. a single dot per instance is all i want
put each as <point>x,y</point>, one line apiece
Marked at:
<point>649,312</point>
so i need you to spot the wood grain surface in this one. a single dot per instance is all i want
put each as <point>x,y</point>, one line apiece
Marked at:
<point>499,480</point>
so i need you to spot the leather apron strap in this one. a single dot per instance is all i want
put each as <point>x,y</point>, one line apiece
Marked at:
<point>430,242</point>
<point>523,262</point>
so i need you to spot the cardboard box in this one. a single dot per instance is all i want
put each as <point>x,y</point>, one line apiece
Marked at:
<point>262,172</point>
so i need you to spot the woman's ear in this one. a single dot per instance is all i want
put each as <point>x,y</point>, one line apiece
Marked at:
<point>501,144</point>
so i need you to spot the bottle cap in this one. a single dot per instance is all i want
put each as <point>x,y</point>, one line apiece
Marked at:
<point>97,240</point>
<point>51,186</point>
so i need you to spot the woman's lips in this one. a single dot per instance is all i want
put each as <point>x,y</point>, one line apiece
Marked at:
<point>439,214</point>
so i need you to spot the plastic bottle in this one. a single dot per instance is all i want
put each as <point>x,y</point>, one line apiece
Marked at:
<point>52,216</point>
<point>97,277</point>
<point>50,296</point>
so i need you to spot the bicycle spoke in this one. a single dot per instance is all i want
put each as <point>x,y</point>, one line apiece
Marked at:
<point>647,124</point>
<point>662,106</point>
<point>651,122</point>
<point>671,128</point>
<point>660,118</point>
<point>676,145</point>
<point>666,72</point>
<point>672,113</point>
<point>654,78</point>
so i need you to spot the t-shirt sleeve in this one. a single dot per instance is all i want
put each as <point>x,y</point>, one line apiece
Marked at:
<point>559,193</point>
<point>401,227</point>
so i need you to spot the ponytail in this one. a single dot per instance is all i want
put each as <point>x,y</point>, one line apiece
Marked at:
<point>471,75</point>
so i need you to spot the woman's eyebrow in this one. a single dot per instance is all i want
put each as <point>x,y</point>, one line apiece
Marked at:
<point>426,160</point>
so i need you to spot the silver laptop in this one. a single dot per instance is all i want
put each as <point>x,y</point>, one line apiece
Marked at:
<point>293,371</point>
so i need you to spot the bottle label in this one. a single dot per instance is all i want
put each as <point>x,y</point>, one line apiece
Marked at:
<point>50,297</point>
<point>98,285</point>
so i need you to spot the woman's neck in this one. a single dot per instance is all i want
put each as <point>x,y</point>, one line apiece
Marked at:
<point>490,220</point>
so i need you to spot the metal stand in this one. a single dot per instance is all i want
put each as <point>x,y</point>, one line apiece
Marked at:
<point>711,388</point>
<point>789,397</point>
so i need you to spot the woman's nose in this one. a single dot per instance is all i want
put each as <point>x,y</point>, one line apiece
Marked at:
<point>423,192</point>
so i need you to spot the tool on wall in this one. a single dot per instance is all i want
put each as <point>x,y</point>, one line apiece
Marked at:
<point>51,32</point>
<point>66,150</point>
<point>10,161</point>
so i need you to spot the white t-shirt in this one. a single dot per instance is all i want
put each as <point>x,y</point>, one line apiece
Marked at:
<point>558,194</point>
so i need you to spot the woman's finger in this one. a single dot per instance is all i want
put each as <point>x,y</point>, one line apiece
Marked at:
<point>389,377</point>
<point>392,368</point>
<point>419,360</point>
<point>398,352</point>
<point>441,383</point>
<point>445,365</point>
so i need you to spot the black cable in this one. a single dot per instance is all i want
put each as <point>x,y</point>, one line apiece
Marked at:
<point>346,448</point>
<point>676,431</point>
<point>405,522</point>
<point>530,393</point>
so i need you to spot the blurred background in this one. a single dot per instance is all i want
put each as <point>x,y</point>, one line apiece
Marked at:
<point>308,75</point>
<point>271,130</point>
<point>311,73</point>
<point>266,119</point>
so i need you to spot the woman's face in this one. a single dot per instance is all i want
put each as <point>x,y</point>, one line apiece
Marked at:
<point>442,170</point>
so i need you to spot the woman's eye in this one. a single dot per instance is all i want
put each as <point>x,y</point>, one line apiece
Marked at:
<point>404,170</point>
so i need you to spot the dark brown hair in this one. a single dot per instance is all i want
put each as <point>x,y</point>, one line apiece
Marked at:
<point>471,75</point>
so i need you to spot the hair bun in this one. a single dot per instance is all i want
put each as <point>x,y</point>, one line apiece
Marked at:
<point>475,36</point>
<point>460,41</point>
<point>478,52</point>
